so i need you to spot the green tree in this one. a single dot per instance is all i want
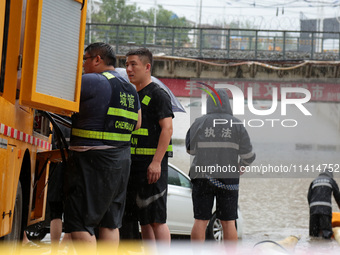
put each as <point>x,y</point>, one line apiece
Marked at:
<point>165,19</point>
<point>119,13</point>
<point>114,12</point>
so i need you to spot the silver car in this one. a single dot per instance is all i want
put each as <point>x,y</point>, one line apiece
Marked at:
<point>180,218</point>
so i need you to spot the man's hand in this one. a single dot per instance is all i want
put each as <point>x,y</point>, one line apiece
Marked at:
<point>242,169</point>
<point>154,169</point>
<point>154,172</point>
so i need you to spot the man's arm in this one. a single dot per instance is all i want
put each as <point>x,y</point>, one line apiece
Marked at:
<point>247,156</point>
<point>190,143</point>
<point>139,121</point>
<point>336,192</point>
<point>154,169</point>
<point>309,195</point>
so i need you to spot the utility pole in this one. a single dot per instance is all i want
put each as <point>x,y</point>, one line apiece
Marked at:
<point>200,15</point>
<point>320,15</point>
<point>198,27</point>
<point>155,23</point>
<point>223,26</point>
<point>90,19</point>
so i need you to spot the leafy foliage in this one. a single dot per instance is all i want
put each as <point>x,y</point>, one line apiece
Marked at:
<point>119,13</point>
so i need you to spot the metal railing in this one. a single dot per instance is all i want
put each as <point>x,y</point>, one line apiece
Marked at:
<point>218,43</point>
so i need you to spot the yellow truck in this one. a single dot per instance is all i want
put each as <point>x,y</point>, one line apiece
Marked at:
<point>41,46</point>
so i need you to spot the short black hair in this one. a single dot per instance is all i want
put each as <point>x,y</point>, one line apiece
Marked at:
<point>144,55</point>
<point>104,50</point>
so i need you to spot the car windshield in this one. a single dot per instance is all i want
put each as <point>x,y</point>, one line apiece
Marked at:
<point>177,178</point>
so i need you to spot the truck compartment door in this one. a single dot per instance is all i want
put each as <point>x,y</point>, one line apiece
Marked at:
<point>53,55</point>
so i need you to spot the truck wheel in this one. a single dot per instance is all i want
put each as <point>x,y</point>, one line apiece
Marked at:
<point>16,232</point>
<point>214,230</point>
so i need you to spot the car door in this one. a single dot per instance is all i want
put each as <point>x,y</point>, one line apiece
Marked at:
<point>180,216</point>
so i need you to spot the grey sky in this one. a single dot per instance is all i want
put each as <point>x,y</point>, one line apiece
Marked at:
<point>264,14</point>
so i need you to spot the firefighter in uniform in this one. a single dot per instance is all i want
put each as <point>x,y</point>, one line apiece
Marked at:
<point>100,159</point>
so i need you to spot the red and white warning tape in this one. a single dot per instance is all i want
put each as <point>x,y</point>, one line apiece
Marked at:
<point>21,136</point>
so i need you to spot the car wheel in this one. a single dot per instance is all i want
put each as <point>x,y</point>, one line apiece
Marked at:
<point>214,229</point>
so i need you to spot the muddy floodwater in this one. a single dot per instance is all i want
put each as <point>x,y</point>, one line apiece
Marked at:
<point>274,205</point>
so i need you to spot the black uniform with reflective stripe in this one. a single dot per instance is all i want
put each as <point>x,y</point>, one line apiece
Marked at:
<point>108,111</point>
<point>155,105</point>
<point>320,194</point>
<point>220,145</point>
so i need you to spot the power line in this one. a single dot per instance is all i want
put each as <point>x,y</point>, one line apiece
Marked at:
<point>284,13</point>
<point>251,4</point>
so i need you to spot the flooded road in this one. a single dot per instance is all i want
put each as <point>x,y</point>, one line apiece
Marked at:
<point>275,206</point>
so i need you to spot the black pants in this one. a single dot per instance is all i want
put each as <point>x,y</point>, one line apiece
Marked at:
<point>320,224</point>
